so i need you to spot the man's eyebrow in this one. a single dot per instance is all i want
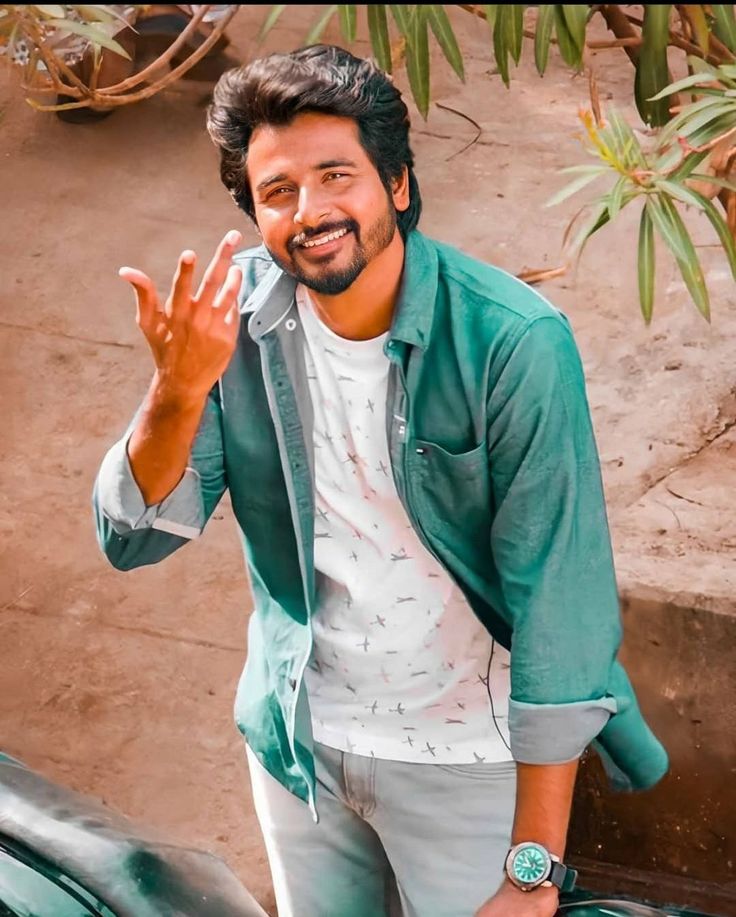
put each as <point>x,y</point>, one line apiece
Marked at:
<point>334,163</point>
<point>261,186</point>
<point>327,164</point>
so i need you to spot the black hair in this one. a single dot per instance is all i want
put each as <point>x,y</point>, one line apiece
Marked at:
<point>319,78</point>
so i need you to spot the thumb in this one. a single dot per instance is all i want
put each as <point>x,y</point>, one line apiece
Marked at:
<point>145,294</point>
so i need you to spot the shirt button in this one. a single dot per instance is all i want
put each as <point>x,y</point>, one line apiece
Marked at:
<point>290,324</point>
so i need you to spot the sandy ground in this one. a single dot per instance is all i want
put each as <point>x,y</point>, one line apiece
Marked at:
<point>122,685</point>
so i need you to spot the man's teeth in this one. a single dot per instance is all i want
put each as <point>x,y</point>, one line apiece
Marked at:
<point>322,240</point>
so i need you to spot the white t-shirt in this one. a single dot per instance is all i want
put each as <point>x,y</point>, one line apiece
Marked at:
<point>401,667</point>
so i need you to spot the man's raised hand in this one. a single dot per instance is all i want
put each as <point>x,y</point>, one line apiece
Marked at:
<point>193,336</point>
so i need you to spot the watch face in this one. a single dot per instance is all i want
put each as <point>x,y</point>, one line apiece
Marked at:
<point>531,864</point>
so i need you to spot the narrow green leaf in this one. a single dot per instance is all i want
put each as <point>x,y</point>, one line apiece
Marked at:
<point>402,15</point>
<point>714,180</point>
<point>725,24</point>
<point>695,199</point>
<point>490,10</point>
<point>574,186</point>
<point>646,264</point>
<point>694,79</point>
<point>576,19</point>
<point>652,70</point>
<point>616,196</point>
<point>378,30</point>
<point>500,47</point>
<point>348,14</point>
<point>271,20</point>
<point>668,223</point>
<point>417,59</point>
<point>695,120</point>
<point>571,52</point>
<point>543,36</point>
<point>598,170</point>
<point>318,28</point>
<point>440,23</point>
<point>98,13</point>
<point>50,10</point>
<point>515,30</point>
<point>91,33</point>
<point>699,23</point>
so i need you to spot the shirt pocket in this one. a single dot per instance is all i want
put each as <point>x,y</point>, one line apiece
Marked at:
<point>452,492</point>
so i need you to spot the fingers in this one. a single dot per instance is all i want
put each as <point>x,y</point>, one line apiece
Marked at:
<point>227,299</point>
<point>145,294</point>
<point>218,268</point>
<point>180,298</point>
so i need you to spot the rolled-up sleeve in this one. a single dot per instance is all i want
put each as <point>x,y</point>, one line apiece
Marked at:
<point>132,534</point>
<point>551,547</point>
<point>121,501</point>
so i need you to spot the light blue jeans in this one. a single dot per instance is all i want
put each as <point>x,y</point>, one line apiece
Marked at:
<point>417,840</point>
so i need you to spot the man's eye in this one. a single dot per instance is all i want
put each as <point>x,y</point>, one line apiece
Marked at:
<point>278,191</point>
<point>332,175</point>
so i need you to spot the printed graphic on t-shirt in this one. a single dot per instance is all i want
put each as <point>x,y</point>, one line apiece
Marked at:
<point>401,667</point>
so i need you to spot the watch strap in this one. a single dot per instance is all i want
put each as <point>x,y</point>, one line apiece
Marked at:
<point>564,877</point>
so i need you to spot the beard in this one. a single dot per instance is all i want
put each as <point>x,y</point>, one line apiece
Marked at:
<point>331,281</point>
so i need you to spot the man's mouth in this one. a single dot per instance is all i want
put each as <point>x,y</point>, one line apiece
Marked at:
<point>300,242</point>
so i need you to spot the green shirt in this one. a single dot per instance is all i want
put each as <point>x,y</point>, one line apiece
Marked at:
<point>494,458</point>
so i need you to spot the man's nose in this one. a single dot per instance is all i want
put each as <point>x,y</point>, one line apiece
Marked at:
<point>312,208</point>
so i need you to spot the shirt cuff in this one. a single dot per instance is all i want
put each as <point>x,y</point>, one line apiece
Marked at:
<point>122,503</point>
<point>556,733</point>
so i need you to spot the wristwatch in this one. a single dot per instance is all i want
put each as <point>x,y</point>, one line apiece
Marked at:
<point>530,865</point>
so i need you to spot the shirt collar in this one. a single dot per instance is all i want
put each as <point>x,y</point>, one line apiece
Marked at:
<point>414,313</point>
<point>273,297</point>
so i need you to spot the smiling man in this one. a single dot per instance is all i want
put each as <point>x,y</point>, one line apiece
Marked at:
<point>406,440</point>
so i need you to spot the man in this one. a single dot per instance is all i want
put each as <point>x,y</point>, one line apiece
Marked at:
<point>406,440</point>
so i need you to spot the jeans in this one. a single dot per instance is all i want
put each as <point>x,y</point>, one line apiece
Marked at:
<point>394,838</point>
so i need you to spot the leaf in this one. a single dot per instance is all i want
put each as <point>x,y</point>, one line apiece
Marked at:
<point>585,168</point>
<point>271,20</point>
<point>576,19</point>
<point>50,10</point>
<point>574,186</point>
<point>378,30</point>
<point>490,10</point>
<point>652,70</point>
<point>401,13</point>
<point>507,37</point>
<point>668,223</point>
<point>646,264</point>
<point>695,199</point>
<point>571,52</point>
<point>320,25</point>
<point>694,79</point>
<point>417,59</point>
<point>445,36</point>
<point>543,36</point>
<point>348,14</point>
<point>91,33</point>
<point>714,180</point>
<point>696,16</point>
<point>99,14</point>
<point>725,24</point>
<point>615,197</point>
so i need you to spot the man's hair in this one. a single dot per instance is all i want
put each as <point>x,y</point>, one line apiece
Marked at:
<point>320,78</point>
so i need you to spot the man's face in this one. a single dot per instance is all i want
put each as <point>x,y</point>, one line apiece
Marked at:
<point>320,205</point>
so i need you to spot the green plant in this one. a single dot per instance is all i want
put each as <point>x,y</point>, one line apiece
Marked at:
<point>685,137</point>
<point>82,54</point>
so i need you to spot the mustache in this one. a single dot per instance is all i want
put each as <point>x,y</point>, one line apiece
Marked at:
<point>306,234</point>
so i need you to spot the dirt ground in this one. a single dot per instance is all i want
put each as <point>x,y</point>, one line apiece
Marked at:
<point>122,685</point>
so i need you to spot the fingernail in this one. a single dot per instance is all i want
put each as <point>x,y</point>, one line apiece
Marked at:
<point>233,237</point>
<point>122,270</point>
<point>188,257</point>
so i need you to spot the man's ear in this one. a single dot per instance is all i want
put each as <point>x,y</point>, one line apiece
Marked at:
<point>400,190</point>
